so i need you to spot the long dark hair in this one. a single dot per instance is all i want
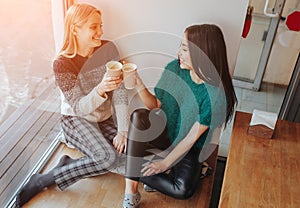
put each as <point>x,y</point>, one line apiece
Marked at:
<point>209,59</point>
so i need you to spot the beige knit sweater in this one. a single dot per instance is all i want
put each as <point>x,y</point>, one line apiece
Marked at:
<point>78,79</point>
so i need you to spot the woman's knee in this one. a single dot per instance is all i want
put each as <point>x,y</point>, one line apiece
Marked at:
<point>140,119</point>
<point>106,158</point>
<point>184,190</point>
<point>187,176</point>
<point>147,125</point>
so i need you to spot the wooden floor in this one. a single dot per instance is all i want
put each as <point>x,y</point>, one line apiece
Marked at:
<point>106,191</point>
<point>25,136</point>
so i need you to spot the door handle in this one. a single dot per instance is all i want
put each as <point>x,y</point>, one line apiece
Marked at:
<point>269,14</point>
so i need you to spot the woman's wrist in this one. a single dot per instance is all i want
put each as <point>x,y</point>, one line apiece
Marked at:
<point>123,133</point>
<point>140,87</point>
<point>167,161</point>
<point>100,91</point>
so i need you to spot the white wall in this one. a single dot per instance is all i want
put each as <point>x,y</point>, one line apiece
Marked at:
<point>153,29</point>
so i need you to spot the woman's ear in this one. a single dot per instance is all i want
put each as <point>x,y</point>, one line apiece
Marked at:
<point>74,30</point>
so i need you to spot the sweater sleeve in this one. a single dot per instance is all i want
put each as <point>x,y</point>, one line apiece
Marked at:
<point>120,101</point>
<point>65,76</point>
<point>87,100</point>
<point>78,88</point>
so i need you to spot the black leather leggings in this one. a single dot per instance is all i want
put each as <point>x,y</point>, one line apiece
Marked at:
<point>148,131</point>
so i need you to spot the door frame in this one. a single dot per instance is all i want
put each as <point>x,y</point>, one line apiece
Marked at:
<point>266,51</point>
<point>290,108</point>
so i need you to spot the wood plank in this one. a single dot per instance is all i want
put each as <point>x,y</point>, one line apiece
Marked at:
<point>37,132</point>
<point>13,118</point>
<point>25,136</point>
<point>23,142</point>
<point>12,135</point>
<point>46,95</point>
<point>20,154</point>
<point>23,165</point>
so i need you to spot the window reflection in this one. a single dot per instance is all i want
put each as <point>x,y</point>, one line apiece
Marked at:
<point>26,52</point>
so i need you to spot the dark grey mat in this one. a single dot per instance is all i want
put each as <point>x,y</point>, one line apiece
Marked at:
<point>221,163</point>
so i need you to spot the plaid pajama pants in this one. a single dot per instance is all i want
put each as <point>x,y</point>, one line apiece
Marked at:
<point>94,140</point>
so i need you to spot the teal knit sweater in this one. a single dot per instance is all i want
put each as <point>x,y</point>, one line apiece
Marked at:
<point>184,102</point>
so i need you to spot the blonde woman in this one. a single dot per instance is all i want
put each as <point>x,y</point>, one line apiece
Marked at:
<point>88,97</point>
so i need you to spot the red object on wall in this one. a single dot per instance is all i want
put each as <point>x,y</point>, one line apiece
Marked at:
<point>248,21</point>
<point>293,21</point>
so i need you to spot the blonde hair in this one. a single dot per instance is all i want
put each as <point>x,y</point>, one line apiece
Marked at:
<point>76,15</point>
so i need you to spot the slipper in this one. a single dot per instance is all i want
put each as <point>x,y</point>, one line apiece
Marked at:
<point>132,200</point>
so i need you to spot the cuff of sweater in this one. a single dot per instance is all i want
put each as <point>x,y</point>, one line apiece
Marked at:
<point>122,115</point>
<point>98,99</point>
